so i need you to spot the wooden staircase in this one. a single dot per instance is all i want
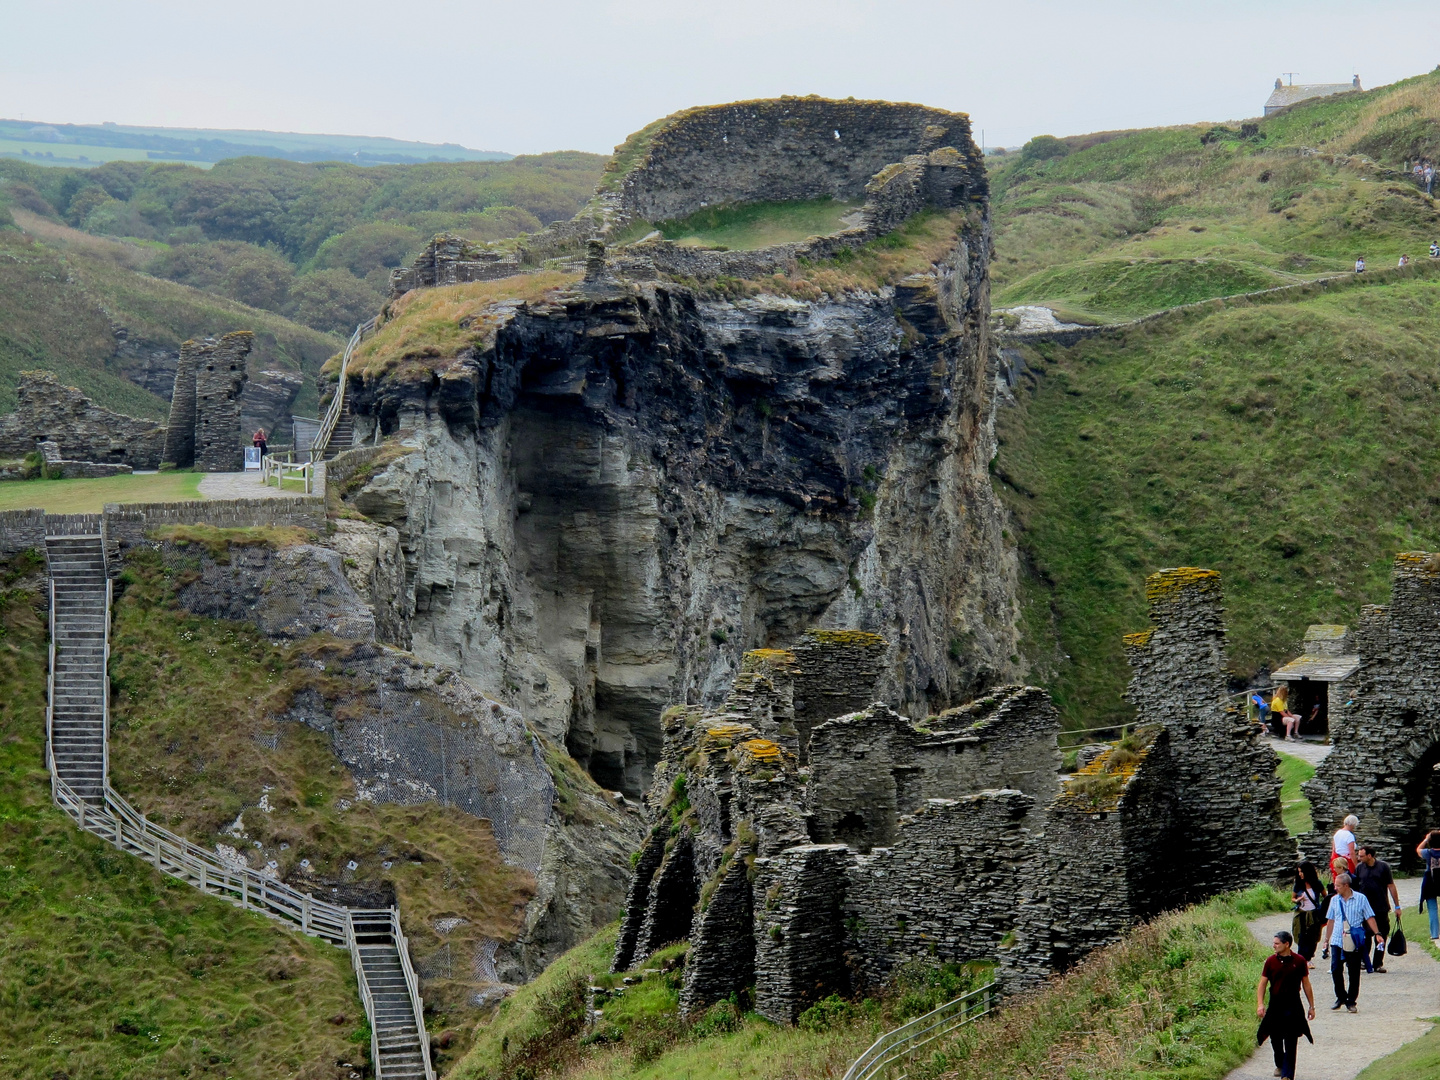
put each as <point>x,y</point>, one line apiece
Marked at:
<point>343,436</point>
<point>77,722</point>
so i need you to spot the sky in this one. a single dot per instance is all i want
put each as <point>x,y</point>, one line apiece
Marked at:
<point>565,75</point>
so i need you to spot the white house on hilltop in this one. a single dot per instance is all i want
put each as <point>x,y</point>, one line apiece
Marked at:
<point>1284,95</point>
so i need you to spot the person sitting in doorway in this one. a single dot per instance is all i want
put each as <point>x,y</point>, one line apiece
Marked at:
<point>1280,706</point>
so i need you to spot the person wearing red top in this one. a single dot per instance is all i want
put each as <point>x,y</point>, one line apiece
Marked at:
<point>1284,1020</point>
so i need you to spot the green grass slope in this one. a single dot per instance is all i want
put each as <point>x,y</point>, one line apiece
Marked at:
<point>1289,445</point>
<point>1109,226</point>
<point>109,971</point>
<point>59,304</point>
<point>1173,1001</point>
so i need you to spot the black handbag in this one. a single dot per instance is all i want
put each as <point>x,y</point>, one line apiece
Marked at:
<point>1396,945</point>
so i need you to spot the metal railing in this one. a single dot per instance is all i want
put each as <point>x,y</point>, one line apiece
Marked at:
<point>121,825</point>
<point>337,403</point>
<point>904,1041</point>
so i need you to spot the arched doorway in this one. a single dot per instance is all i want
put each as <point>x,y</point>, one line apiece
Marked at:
<point>1422,805</point>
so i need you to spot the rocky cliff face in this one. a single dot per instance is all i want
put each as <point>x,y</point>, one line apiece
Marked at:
<point>626,485</point>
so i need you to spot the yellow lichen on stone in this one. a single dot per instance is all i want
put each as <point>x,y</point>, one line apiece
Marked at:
<point>763,751</point>
<point>1164,583</point>
<point>722,736</point>
<point>756,658</point>
<point>1139,639</point>
<point>861,638</point>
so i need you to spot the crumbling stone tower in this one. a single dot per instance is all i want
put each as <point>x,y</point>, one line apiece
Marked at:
<point>1385,722</point>
<point>1228,794</point>
<point>204,430</point>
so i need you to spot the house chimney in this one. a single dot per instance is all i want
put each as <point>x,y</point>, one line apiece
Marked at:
<point>1277,84</point>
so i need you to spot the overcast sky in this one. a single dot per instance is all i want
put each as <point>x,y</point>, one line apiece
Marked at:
<point>558,74</point>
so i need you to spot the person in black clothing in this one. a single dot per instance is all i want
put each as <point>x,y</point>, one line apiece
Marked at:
<point>1310,900</point>
<point>1284,1021</point>
<point>1373,878</point>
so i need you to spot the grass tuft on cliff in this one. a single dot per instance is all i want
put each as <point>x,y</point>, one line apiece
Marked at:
<point>108,969</point>
<point>748,226</point>
<point>1173,1000</point>
<point>428,326</point>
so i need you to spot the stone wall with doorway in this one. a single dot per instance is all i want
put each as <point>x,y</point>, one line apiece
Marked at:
<point>1385,726</point>
<point>48,410</point>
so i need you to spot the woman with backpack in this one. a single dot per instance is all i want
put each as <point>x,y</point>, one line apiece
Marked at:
<point>1429,852</point>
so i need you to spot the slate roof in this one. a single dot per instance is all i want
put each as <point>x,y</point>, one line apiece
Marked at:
<point>1319,668</point>
<point>1289,95</point>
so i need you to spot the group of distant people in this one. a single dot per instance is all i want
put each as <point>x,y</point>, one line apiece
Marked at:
<point>1404,259</point>
<point>1354,927</point>
<point>1278,707</point>
<point>1424,174</point>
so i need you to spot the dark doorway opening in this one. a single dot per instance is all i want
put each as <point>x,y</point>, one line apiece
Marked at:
<point>1311,699</point>
<point>1422,803</point>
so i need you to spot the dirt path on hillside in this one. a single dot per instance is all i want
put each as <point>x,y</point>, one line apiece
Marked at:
<point>1392,1006</point>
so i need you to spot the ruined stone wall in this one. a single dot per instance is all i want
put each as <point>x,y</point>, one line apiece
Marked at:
<point>800,929</point>
<point>945,890</point>
<point>860,772</point>
<point>46,409</point>
<point>219,379</point>
<point>1224,770</point>
<point>180,431</point>
<point>780,149</point>
<point>721,960</point>
<point>1385,723</point>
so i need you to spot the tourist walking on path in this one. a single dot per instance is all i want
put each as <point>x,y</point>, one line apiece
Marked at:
<point>1429,852</point>
<point>1360,265</point>
<point>1307,893</point>
<point>1349,915</point>
<point>1342,847</point>
<point>1285,1020</point>
<point>1374,880</point>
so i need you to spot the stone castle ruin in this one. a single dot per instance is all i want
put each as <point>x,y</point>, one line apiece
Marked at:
<point>620,488</point>
<point>79,438</point>
<point>1384,720</point>
<point>810,842</point>
<point>895,159</point>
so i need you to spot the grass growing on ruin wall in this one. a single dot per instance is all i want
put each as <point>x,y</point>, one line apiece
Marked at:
<point>1287,445</point>
<point>107,969</point>
<point>1174,1000</point>
<point>427,326</point>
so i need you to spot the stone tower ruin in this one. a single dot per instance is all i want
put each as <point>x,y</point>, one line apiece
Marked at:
<point>204,429</point>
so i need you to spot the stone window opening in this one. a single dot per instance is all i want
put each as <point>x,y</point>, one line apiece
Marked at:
<point>851,831</point>
<point>725,797</point>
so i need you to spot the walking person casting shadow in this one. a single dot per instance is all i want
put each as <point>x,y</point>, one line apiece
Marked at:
<point>1345,931</point>
<point>1285,1020</point>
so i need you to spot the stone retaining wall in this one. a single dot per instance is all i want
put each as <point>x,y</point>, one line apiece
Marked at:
<point>126,522</point>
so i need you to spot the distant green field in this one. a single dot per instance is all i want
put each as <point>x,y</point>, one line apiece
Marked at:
<point>90,496</point>
<point>73,154</point>
<point>748,226</point>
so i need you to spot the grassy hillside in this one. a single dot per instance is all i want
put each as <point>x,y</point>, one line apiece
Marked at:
<point>61,299</point>
<point>1174,1000</point>
<point>1109,226</point>
<point>1289,445</point>
<point>313,241</point>
<point>108,970</point>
